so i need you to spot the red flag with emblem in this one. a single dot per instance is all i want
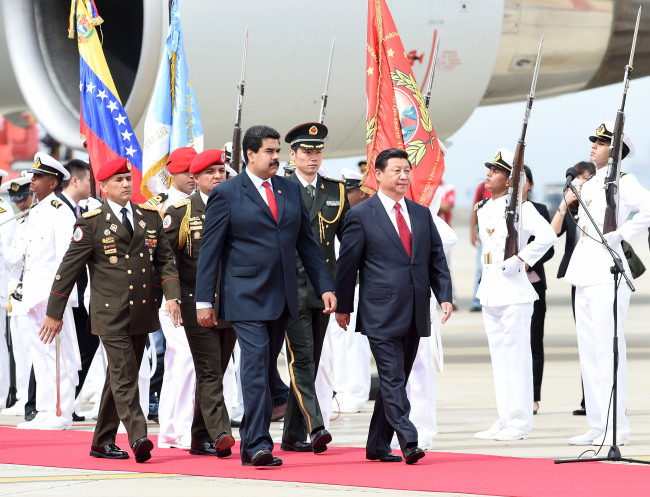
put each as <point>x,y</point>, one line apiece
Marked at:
<point>397,116</point>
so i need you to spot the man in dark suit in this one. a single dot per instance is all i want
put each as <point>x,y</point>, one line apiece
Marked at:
<point>211,347</point>
<point>537,276</point>
<point>254,223</point>
<point>327,203</point>
<point>76,189</point>
<point>113,242</point>
<point>394,245</point>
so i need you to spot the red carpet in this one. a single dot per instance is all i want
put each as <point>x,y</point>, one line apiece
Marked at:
<point>437,472</point>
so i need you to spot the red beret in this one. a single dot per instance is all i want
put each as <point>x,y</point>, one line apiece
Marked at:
<point>180,159</point>
<point>115,166</point>
<point>206,159</point>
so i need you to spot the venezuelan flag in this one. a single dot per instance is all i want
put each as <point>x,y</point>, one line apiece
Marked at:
<point>173,119</point>
<point>104,122</point>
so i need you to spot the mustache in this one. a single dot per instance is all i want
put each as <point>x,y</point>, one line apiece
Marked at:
<point>274,163</point>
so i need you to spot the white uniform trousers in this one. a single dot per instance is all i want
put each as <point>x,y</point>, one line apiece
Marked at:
<point>595,329</point>
<point>421,390</point>
<point>20,342</point>
<point>323,384</point>
<point>4,359</point>
<point>351,364</point>
<point>176,407</point>
<point>44,361</point>
<point>508,333</point>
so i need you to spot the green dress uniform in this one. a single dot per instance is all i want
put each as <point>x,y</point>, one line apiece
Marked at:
<point>123,303</point>
<point>211,347</point>
<point>304,337</point>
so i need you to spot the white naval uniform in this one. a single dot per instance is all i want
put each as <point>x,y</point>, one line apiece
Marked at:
<point>507,309</point>
<point>6,235</point>
<point>422,385</point>
<point>589,271</point>
<point>43,242</point>
<point>176,406</point>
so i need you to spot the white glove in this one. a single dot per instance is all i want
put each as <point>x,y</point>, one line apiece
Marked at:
<point>613,238</point>
<point>512,266</point>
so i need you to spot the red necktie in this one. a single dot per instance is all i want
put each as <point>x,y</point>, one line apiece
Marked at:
<point>404,232</point>
<point>273,205</point>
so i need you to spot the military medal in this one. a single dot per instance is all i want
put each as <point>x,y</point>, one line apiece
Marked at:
<point>108,216</point>
<point>167,222</point>
<point>490,231</point>
<point>112,259</point>
<point>142,224</point>
<point>106,232</point>
<point>197,235</point>
<point>333,203</point>
<point>202,216</point>
<point>138,211</point>
<point>113,228</point>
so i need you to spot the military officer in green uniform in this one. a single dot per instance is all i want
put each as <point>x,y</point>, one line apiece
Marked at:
<point>327,203</point>
<point>122,243</point>
<point>211,347</point>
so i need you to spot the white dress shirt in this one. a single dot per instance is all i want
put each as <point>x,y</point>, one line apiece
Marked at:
<point>257,181</point>
<point>117,210</point>
<point>389,205</point>
<point>304,183</point>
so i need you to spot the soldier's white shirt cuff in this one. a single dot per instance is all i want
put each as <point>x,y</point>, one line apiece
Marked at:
<point>204,305</point>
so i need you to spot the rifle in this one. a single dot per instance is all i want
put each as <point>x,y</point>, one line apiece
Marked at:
<point>616,147</point>
<point>513,207</point>
<point>236,135</point>
<point>323,97</point>
<point>427,94</point>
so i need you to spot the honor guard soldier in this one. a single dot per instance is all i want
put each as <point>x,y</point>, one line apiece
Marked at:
<point>43,243</point>
<point>212,347</point>
<point>507,298</point>
<point>589,271</point>
<point>178,167</point>
<point>327,203</point>
<point>18,189</point>
<point>175,409</point>
<point>122,243</point>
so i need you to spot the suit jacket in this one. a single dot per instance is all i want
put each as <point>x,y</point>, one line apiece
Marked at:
<point>123,300</point>
<point>568,227</point>
<point>259,275</point>
<point>327,216</point>
<point>393,289</point>
<point>538,267</point>
<point>183,224</point>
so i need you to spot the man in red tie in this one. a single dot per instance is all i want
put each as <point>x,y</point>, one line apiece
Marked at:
<point>394,245</point>
<point>254,224</point>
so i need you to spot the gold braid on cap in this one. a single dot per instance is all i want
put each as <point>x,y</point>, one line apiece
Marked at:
<point>184,234</point>
<point>322,221</point>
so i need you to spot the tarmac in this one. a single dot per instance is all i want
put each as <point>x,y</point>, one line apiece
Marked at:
<point>465,402</point>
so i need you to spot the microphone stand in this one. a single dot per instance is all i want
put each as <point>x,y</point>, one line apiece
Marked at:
<point>617,269</point>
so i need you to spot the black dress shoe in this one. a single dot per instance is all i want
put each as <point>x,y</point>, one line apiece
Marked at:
<point>203,449</point>
<point>319,440</point>
<point>142,448</point>
<point>223,442</point>
<point>413,454</point>
<point>276,462</point>
<point>296,446</point>
<point>31,415</point>
<point>262,457</point>
<point>383,458</point>
<point>235,423</point>
<point>108,451</point>
<point>77,418</point>
<point>224,453</point>
<point>578,412</point>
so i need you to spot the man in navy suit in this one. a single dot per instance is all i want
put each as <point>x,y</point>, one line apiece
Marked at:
<point>396,248</point>
<point>254,223</point>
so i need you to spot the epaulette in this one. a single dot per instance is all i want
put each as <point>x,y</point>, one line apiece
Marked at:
<point>56,204</point>
<point>92,213</point>
<point>2,209</point>
<point>148,207</point>
<point>334,180</point>
<point>158,199</point>
<point>622,174</point>
<point>181,202</point>
<point>480,204</point>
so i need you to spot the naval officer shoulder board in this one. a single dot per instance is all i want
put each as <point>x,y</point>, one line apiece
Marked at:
<point>480,204</point>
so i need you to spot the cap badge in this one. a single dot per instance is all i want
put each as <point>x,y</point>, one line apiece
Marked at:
<point>128,165</point>
<point>15,187</point>
<point>601,129</point>
<point>313,130</point>
<point>498,157</point>
<point>37,163</point>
